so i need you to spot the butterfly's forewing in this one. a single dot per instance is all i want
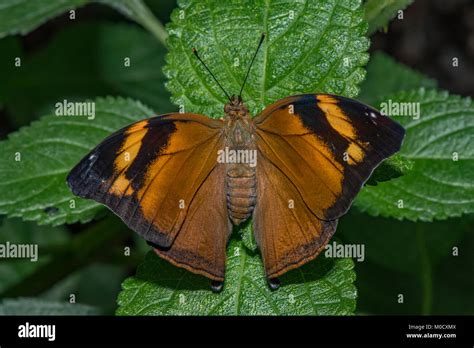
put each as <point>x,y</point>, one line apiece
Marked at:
<point>327,146</point>
<point>315,153</point>
<point>150,172</point>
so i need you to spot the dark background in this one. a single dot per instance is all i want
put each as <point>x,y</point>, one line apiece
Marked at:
<point>430,35</point>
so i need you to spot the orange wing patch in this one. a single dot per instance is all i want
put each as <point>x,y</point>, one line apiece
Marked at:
<point>128,151</point>
<point>164,200</point>
<point>134,172</point>
<point>308,163</point>
<point>339,121</point>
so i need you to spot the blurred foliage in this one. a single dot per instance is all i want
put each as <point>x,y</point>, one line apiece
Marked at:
<point>83,61</point>
<point>379,12</point>
<point>14,231</point>
<point>34,306</point>
<point>386,77</point>
<point>22,16</point>
<point>430,264</point>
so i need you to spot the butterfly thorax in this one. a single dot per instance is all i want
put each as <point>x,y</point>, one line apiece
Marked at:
<point>240,161</point>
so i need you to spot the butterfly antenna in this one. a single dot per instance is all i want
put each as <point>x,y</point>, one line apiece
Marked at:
<point>251,63</point>
<point>210,72</point>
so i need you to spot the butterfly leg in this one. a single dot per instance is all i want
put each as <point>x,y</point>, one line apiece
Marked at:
<point>274,283</point>
<point>217,286</point>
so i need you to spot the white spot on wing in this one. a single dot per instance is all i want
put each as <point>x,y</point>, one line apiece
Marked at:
<point>373,117</point>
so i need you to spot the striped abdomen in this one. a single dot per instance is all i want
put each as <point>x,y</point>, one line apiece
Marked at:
<point>241,191</point>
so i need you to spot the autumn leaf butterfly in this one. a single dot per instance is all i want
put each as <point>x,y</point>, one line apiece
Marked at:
<point>181,180</point>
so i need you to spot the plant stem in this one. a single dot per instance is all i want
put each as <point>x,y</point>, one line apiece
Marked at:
<point>426,277</point>
<point>140,13</point>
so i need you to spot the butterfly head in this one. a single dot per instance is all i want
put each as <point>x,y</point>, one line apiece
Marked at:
<point>236,108</point>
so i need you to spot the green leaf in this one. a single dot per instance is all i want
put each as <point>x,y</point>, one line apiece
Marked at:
<point>32,306</point>
<point>438,186</point>
<point>61,70</point>
<point>379,12</point>
<point>321,287</point>
<point>385,76</point>
<point>22,16</point>
<point>35,161</point>
<point>391,168</point>
<point>14,231</point>
<point>248,239</point>
<point>310,46</point>
<point>416,260</point>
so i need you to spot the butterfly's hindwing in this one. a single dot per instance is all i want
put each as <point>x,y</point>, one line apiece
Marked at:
<point>287,232</point>
<point>200,245</point>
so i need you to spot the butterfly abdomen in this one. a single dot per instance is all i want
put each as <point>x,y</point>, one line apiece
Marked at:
<point>241,185</point>
<point>241,159</point>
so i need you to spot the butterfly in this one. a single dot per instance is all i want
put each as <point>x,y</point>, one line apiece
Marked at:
<point>182,180</point>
